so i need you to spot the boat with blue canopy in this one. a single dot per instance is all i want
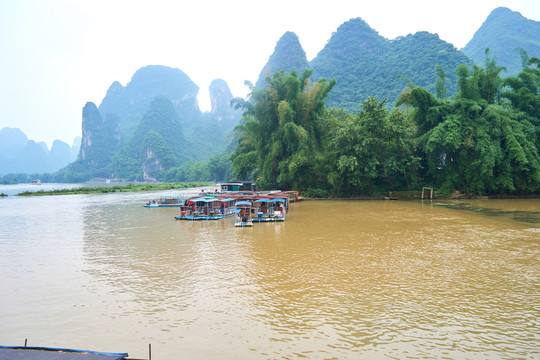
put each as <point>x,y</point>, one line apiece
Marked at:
<point>243,214</point>
<point>269,210</point>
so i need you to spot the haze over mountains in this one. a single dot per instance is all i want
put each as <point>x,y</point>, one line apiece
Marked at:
<point>18,154</point>
<point>154,123</point>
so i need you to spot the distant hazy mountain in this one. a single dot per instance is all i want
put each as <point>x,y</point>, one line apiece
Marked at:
<point>100,137</point>
<point>11,141</point>
<point>288,55</point>
<point>20,155</point>
<point>129,103</point>
<point>152,124</point>
<point>503,32</point>
<point>158,143</point>
<point>75,148</point>
<point>220,100</point>
<point>31,158</point>
<point>60,155</point>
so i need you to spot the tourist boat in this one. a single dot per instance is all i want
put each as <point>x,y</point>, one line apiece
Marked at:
<point>291,196</point>
<point>269,210</point>
<point>243,214</point>
<point>237,186</point>
<point>167,200</point>
<point>36,182</point>
<point>206,208</point>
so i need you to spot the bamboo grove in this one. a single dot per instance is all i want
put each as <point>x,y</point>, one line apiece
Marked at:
<point>484,140</point>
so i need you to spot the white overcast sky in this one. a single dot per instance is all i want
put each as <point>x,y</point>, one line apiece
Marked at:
<point>56,55</point>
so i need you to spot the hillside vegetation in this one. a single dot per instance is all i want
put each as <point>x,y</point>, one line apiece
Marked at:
<point>484,141</point>
<point>505,32</point>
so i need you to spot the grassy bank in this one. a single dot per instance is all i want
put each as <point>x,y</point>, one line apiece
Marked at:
<point>117,188</point>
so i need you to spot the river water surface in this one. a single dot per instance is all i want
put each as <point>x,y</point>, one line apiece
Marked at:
<point>336,280</point>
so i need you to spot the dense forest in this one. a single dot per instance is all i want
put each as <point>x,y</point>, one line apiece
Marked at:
<point>484,140</point>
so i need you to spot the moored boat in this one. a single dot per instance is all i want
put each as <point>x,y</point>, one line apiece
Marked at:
<point>243,214</point>
<point>206,208</point>
<point>291,195</point>
<point>167,200</point>
<point>269,210</point>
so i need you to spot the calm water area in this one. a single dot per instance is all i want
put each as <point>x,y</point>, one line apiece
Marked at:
<point>336,280</point>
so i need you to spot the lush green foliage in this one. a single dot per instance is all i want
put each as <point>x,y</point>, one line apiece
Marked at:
<point>523,91</point>
<point>484,141</point>
<point>477,143</point>
<point>280,138</point>
<point>373,148</point>
<point>217,168</point>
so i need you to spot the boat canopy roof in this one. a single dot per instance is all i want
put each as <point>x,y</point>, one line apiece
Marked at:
<point>201,200</point>
<point>243,203</point>
<point>270,200</point>
<point>209,200</point>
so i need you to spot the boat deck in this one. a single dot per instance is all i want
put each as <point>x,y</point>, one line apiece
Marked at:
<point>202,217</point>
<point>268,219</point>
<point>41,353</point>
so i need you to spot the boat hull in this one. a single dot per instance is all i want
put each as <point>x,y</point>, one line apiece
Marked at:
<point>161,205</point>
<point>268,219</point>
<point>202,217</point>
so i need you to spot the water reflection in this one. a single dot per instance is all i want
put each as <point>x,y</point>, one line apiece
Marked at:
<point>523,210</point>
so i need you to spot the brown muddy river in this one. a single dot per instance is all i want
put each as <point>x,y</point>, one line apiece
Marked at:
<point>336,280</point>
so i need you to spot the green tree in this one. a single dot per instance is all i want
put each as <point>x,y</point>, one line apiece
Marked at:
<point>475,144</point>
<point>440,85</point>
<point>523,90</point>
<point>373,148</point>
<point>281,134</point>
<point>219,168</point>
<point>484,83</point>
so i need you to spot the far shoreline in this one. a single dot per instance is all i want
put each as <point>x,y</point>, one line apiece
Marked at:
<point>149,187</point>
<point>131,187</point>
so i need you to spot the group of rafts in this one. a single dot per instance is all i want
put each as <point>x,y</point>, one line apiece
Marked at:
<point>247,206</point>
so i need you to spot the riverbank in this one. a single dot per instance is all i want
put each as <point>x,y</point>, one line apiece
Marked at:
<point>417,195</point>
<point>116,188</point>
<point>456,195</point>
